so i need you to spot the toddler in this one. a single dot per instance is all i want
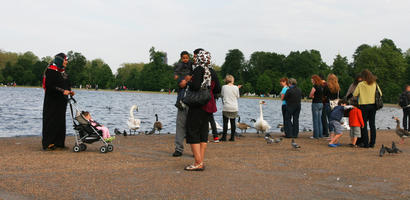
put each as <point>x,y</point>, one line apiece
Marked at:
<point>355,123</point>
<point>96,125</point>
<point>182,70</point>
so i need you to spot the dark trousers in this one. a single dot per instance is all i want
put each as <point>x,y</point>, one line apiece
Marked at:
<point>292,119</point>
<point>213,125</point>
<point>406,118</point>
<point>369,115</point>
<point>284,121</point>
<point>325,118</point>
<point>225,125</point>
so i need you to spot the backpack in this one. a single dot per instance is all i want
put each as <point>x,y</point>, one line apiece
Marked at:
<point>403,100</point>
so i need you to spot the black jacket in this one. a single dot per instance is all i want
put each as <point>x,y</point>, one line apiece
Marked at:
<point>293,96</point>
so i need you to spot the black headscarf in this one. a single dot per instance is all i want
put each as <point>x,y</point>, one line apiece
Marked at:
<point>59,60</point>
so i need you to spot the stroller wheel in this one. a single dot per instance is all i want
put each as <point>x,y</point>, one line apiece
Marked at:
<point>83,147</point>
<point>76,148</point>
<point>110,148</point>
<point>103,149</point>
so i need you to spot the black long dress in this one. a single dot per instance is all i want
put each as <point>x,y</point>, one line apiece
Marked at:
<point>197,118</point>
<point>54,108</point>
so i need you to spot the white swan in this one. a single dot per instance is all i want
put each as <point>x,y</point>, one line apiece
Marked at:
<point>260,124</point>
<point>218,127</point>
<point>133,124</point>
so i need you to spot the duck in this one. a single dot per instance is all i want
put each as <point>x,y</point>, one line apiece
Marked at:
<point>133,124</point>
<point>400,132</point>
<point>157,125</point>
<point>242,126</point>
<point>261,124</point>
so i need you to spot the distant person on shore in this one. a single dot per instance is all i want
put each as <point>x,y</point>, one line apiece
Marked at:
<point>57,87</point>
<point>182,73</point>
<point>335,123</point>
<point>284,82</point>
<point>330,94</point>
<point>293,98</point>
<point>98,126</point>
<point>349,94</point>
<point>366,92</point>
<point>404,103</point>
<point>355,123</point>
<point>197,119</point>
<point>230,95</point>
<point>317,105</point>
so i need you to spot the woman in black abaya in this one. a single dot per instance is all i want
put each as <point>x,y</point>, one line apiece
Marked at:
<point>57,88</point>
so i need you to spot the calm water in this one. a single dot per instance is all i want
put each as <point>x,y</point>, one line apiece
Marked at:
<point>21,111</point>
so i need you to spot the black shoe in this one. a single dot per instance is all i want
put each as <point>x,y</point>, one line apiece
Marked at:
<point>223,138</point>
<point>232,139</point>
<point>371,146</point>
<point>177,154</point>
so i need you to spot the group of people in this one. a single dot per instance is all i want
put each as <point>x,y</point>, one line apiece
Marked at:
<point>192,122</point>
<point>328,108</point>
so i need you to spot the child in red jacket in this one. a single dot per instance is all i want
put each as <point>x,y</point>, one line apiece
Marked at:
<point>355,123</point>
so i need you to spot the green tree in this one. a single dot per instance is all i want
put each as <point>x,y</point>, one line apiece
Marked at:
<point>233,64</point>
<point>341,68</point>
<point>76,68</point>
<point>264,84</point>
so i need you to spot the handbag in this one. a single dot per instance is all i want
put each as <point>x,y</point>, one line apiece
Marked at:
<point>333,103</point>
<point>197,98</point>
<point>378,98</point>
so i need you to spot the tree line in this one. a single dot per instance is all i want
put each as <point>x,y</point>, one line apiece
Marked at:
<point>260,74</point>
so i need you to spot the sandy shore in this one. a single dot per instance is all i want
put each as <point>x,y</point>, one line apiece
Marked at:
<point>141,167</point>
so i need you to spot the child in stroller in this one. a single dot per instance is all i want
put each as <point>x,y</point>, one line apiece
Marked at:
<point>98,126</point>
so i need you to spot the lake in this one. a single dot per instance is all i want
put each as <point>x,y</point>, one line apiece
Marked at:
<point>21,111</point>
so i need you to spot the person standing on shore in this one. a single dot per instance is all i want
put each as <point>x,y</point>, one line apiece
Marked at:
<point>198,117</point>
<point>317,105</point>
<point>182,72</point>
<point>230,95</point>
<point>293,98</point>
<point>330,93</point>
<point>349,94</point>
<point>57,87</point>
<point>285,86</point>
<point>366,92</point>
<point>405,104</point>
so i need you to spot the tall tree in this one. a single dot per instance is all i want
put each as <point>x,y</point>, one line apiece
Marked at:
<point>233,64</point>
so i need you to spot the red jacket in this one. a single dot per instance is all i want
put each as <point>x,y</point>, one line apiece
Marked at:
<point>210,107</point>
<point>356,118</point>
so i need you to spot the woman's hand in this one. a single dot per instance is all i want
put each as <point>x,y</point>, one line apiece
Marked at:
<point>67,92</point>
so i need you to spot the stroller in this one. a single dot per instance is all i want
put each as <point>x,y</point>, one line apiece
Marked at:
<point>84,132</point>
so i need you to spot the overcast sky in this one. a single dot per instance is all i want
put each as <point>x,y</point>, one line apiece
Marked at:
<point>119,31</point>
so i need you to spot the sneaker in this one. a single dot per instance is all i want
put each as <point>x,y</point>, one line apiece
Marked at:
<point>216,139</point>
<point>332,145</point>
<point>177,154</point>
<point>338,144</point>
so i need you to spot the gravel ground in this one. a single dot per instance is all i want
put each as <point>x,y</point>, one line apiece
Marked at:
<point>141,167</point>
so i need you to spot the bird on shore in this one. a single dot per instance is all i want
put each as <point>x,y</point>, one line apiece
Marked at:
<point>294,144</point>
<point>124,133</point>
<point>133,124</point>
<point>394,148</point>
<point>389,150</point>
<point>400,132</point>
<point>382,151</point>
<point>117,132</point>
<point>261,124</point>
<point>242,126</point>
<point>269,140</point>
<point>157,125</point>
<point>277,140</point>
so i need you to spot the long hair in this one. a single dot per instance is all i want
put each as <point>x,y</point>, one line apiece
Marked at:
<point>357,79</point>
<point>284,79</point>
<point>368,76</point>
<point>317,80</point>
<point>332,83</point>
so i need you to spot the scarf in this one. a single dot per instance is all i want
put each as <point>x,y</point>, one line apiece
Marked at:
<point>203,59</point>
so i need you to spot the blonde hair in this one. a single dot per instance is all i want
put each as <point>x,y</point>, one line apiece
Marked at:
<point>332,83</point>
<point>229,79</point>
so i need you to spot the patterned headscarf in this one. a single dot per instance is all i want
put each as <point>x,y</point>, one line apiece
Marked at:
<point>203,59</point>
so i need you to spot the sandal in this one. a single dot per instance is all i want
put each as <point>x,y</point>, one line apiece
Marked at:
<point>50,147</point>
<point>194,167</point>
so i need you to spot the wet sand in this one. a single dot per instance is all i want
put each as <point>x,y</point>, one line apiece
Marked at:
<point>141,167</point>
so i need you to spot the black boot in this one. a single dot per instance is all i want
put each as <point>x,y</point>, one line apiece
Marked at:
<point>232,137</point>
<point>223,138</point>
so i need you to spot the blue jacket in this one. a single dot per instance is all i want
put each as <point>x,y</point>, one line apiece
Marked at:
<point>337,113</point>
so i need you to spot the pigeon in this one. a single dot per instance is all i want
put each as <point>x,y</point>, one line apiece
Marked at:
<point>294,145</point>
<point>394,148</point>
<point>117,132</point>
<point>389,150</point>
<point>382,151</point>
<point>269,140</point>
<point>277,140</point>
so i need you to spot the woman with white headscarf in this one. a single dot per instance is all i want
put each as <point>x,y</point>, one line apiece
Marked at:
<point>197,120</point>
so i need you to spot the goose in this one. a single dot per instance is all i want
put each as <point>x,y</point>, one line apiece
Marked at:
<point>242,126</point>
<point>401,132</point>
<point>260,124</point>
<point>157,125</point>
<point>133,124</point>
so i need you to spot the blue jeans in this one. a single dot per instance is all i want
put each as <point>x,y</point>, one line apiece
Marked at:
<point>317,120</point>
